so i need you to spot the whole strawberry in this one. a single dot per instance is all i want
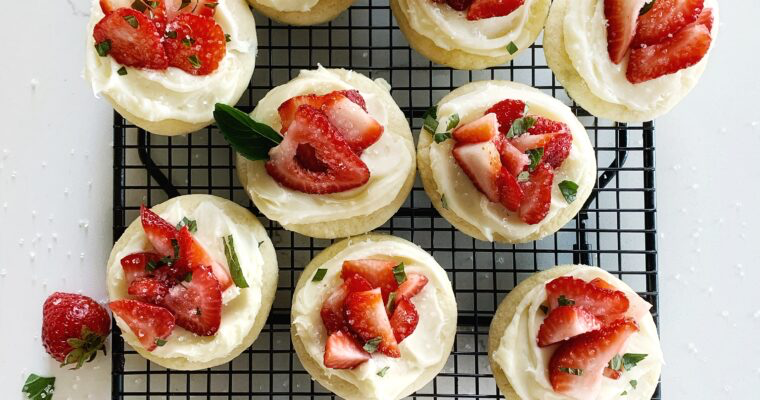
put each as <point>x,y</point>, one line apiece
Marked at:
<point>74,328</point>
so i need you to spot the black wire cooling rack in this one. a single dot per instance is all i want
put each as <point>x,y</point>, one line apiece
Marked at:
<point>615,230</point>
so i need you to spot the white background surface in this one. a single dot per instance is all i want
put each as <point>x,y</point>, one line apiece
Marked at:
<point>55,204</point>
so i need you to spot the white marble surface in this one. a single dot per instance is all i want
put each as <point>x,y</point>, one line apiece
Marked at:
<point>55,204</point>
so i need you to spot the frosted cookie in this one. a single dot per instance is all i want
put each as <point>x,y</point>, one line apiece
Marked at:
<point>625,67</point>
<point>574,332</point>
<point>503,162</point>
<point>470,34</point>
<point>301,12</point>
<point>192,281</point>
<point>164,64</point>
<point>373,317</point>
<point>342,163</point>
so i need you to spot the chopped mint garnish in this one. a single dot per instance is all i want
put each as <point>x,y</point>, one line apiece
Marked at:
<point>191,224</point>
<point>184,4</point>
<point>520,126</point>
<point>535,157</point>
<point>523,176</point>
<point>452,122</point>
<point>572,371</point>
<point>564,301</point>
<point>194,61</point>
<point>233,263</point>
<point>512,48</point>
<point>132,21</point>
<point>569,189</point>
<point>391,302</point>
<point>319,275</point>
<point>544,309</point>
<point>122,71</point>
<point>633,383</point>
<point>430,120</point>
<point>171,34</point>
<point>441,137</point>
<point>631,359</point>
<point>103,48</point>
<point>227,37</point>
<point>443,202</point>
<point>382,372</point>
<point>647,7</point>
<point>371,345</point>
<point>160,342</point>
<point>188,277</point>
<point>399,274</point>
<point>139,6</point>
<point>39,387</point>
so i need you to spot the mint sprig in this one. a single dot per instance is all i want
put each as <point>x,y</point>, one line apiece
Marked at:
<point>39,387</point>
<point>569,190</point>
<point>246,136</point>
<point>233,263</point>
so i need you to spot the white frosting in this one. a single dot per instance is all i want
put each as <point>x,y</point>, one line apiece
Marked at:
<point>389,161</point>
<point>585,35</point>
<point>451,30</point>
<point>289,5</point>
<point>525,364</point>
<point>464,199</point>
<point>240,305</point>
<point>172,93</point>
<point>419,351</point>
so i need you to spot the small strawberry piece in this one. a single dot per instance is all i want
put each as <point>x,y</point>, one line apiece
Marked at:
<point>706,19</point>
<point>379,273</point>
<point>287,109</point>
<point>524,143</point>
<point>599,282</point>
<point>404,319</point>
<point>545,125</point>
<point>197,44</point>
<point>412,286</point>
<point>148,322</point>
<point>611,373</point>
<point>482,163</point>
<point>356,97</point>
<point>357,283</point>
<point>481,9</point>
<point>159,232</point>
<point>136,46</point>
<point>344,169</point>
<point>332,311</point>
<point>482,129</point>
<point>356,126</point>
<point>153,9</point>
<point>192,255</point>
<point>510,192</point>
<point>459,5</point>
<point>197,304</point>
<point>67,316</point>
<point>136,265</point>
<point>537,195</point>
<point>366,315</point>
<point>664,19</point>
<point>512,159</point>
<point>149,290</point>
<point>590,353</point>
<point>507,111</point>
<point>342,352</point>
<point>604,304</point>
<point>557,150</point>
<point>621,26</point>
<point>566,322</point>
<point>684,49</point>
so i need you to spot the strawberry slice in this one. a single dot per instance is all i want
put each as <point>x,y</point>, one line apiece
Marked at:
<point>379,273</point>
<point>564,323</point>
<point>684,49</point>
<point>197,304</point>
<point>153,9</point>
<point>161,234</point>
<point>366,315</point>
<point>131,39</point>
<point>510,192</point>
<point>537,195</point>
<point>149,290</point>
<point>577,365</point>
<point>545,125</point>
<point>605,304</point>
<point>481,9</point>
<point>664,19</point>
<point>149,323</point>
<point>557,150</point>
<point>611,373</point>
<point>621,26</point>
<point>706,19</point>
<point>332,311</point>
<point>192,255</point>
<point>599,282</point>
<point>413,285</point>
<point>507,111</point>
<point>404,319</point>
<point>512,159</point>
<point>357,283</point>
<point>459,5</point>
<point>135,265</point>
<point>344,169</point>
<point>356,126</point>
<point>194,44</point>
<point>482,163</point>
<point>482,129</point>
<point>342,352</point>
<point>288,108</point>
<point>524,143</point>
<point>356,97</point>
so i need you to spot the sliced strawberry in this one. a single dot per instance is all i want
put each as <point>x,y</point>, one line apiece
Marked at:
<point>545,125</point>
<point>287,109</point>
<point>611,373</point>
<point>132,39</point>
<point>153,9</point>
<point>507,111</point>
<point>684,49</point>
<point>664,19</point>
<point>366,315</point>
<point>197,304</point>
<point>356,97</point>
<point>621,26</point>
<point>379,273</point>
<point>192,255</point>
<point>577,365</point>
<point>194,44</point>
<point>149,290</point>
<point>332,312</point>
<point>481,9</point>
<point>160,233</point>
<point>459,5</point>
<point>356,126</point>
<point>482,129</point>
<point>604,304</point>
<point>524,143</point>
<point>566,322</point>
<point>342,352</point>
<point>413,284</point>
<point>136,265</point>
<point>512,159</point>
<point>345,170</point>
<point>557,150</point>
<point>599,282</point>
<point>537,195</point>
<point>510,192</point>
<point>404,319</point>
<point>148,322</point>
<point>357,283</point>
<point>706,19</point>
<point>482,163</point>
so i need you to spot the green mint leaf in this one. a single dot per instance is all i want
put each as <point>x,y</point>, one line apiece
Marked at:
<point>569,189</point>
<point>175,246</point>
<point>39,387</point>
<point>249,138</point>
<point>647,7</point>
<point>194,61</point>
<point>616,363</point>
<point>227,37</point>
<point>633,383</point>
<point>523,176</point>
<point>188,277</point>
<point>187,41</point>
<point>441,137</point>
<point>233,263</point>
<point>631,359</point>
<point>382,372</point>
<point>160,342</point>
<point>564,301</point>
<point>151,266</point>
<point>452,122</point>
<point>132,21</point>
<point>399,273</point>
<point>184,4</point>
<point>444,202</point>
<point>122,71</point>
<point>153,4</point>
<point>139,6</point>
<point>430,120</point>
<point>625,393</point>
<point>171,34</point>
<point>535,157</point>
<point>544,309</point>
<point>103,48</point>
<point>319,275</point>
<point>512,48</point>
<point>520,126</point>
<point>211,5</point>
<point>571,371</point>
<point>191,224</point>
<point>260,243</point>
<point>371,345</point>
<point>391,302</point>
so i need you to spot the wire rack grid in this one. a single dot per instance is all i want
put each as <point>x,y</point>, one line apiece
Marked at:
<point>615,230</point>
